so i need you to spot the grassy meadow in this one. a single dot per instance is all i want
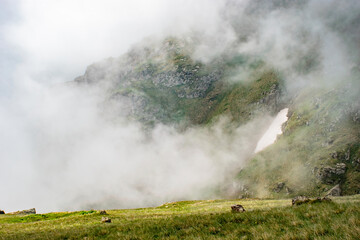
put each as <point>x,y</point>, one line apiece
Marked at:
<point>208,219</point>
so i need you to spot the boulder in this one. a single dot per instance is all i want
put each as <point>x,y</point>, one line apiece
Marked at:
<point>103,212</point>
<point>105,220</point>
<point>237,208</point>
<point>2,212</point>
<point>335,191</point>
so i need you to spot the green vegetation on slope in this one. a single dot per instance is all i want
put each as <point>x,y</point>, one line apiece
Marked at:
<point>319,136</point>
<point>243,101</point>
<point>165,84</point>
<point>210,219</point>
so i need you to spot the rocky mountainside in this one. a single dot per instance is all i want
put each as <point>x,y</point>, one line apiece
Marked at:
<point>162,83</point>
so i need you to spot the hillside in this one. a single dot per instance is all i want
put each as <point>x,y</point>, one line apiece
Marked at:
<point>210,219</point>
<point>318,150</point>
<point>162,83</point>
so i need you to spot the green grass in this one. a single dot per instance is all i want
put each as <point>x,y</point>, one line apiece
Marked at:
<point>209,219</point>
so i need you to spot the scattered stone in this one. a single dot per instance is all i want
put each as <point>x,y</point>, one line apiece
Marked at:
<point>103,212</point>
<point>335,191</point>
<point>2,212</point>
<point>28,211</point>
<point>300,200</point>
<point>237,208</point>
<point>105,220</point>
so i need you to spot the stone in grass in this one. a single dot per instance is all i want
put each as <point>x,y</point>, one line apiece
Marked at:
<point>105,220</point>
<point>103,212</point>
<point>237,208</point>
<point>2,212</point>
<point>300,200</point>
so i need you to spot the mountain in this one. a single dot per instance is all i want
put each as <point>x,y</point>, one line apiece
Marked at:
<point>163,83</point>
<point>160,82</point>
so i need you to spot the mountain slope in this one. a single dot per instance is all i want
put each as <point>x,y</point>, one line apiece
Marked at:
<point>318,150</point>
<point>162,83</point>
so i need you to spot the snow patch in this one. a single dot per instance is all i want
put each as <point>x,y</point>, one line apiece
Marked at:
<point>273,131</point>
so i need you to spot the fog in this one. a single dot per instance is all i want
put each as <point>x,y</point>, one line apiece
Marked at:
<point>59,151</point>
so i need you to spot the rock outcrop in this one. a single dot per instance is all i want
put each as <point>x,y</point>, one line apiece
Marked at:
<point>23,212</point>
<point>237,208</point>
<point>331,175</point>
<point>103,212</point>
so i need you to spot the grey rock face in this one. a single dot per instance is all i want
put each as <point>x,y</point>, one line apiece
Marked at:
<point>152,82</point>
<point>331,175</point>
